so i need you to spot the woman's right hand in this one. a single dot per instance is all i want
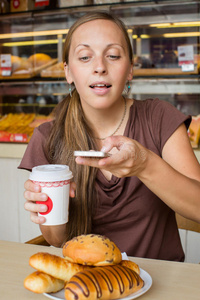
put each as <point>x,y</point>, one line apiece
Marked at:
<point>32,194</point>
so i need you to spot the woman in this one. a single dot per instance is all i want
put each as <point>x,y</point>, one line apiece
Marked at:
<point>132,195</point>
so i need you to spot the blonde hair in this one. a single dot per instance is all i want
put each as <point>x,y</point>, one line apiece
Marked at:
<point>72,132</point>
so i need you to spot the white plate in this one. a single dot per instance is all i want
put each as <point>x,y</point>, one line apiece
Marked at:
<point>144,275</point>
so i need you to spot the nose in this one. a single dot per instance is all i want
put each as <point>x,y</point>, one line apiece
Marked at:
<point>100,66</point>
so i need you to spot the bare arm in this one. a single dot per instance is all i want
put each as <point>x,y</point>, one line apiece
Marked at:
<point>175,178</point>
<point>54,235</point>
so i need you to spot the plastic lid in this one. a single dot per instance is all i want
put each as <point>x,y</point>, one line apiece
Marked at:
<point>50,173</point>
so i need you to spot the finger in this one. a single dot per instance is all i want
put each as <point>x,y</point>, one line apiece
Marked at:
<point>28,195</point>
<point>32,207</point>
<point>113,141</point>
<point>72,189</point>
<point>108,161</point>
<point>37,219</point>
<point>92,162</point>
<point>29,185</point>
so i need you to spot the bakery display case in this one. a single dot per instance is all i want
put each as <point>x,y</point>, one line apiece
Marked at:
<point>165,37</point>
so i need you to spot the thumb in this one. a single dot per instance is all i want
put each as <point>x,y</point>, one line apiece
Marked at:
<point>107,145</point>
<point>113,141</point>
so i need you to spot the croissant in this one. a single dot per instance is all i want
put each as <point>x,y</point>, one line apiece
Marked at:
<point>109,282</point>
<point>54,265</point>
<point>39,282</point>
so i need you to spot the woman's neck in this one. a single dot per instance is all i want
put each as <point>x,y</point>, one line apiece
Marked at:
<point>107,122</point>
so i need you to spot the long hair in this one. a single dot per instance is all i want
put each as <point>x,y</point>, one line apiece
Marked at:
<point>72,132</point>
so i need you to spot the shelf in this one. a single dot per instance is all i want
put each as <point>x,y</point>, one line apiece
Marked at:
<point>165,86</point>
<point>135,12</point>
<point>29,73</point>
<point>34,88</point>
<point>173,72</point>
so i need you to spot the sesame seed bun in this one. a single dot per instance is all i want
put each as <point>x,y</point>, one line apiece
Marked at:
<point>92,249</point>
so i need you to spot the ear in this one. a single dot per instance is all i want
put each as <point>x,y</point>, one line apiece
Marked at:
<point>67,73</point>
<point>130,74</point>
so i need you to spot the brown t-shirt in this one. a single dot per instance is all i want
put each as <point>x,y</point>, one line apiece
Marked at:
<point>128,212</point>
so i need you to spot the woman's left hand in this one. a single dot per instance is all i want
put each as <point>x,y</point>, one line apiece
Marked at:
<point>129,160</point>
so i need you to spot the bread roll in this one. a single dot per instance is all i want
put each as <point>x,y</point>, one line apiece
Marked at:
<point>16,62</point>
<point>20,64</point>
<point>39,59</point>
<point>54,265</point>
<point>109,282</point>
<point>131,265</point>
<point>91,249</point>
<point>39,282</point>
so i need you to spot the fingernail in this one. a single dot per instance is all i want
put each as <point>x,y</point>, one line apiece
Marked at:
<point>43,208</point>
<point>42,220</point>
<point>79,160</point>
<point>36,188</point>
<point>43,197</point>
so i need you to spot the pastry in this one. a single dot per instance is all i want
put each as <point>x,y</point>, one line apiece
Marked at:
<point>109,282</point>
<point>54,265</point>
<point>39,282</point>
<point>39,59</point>
<point>91,249</point>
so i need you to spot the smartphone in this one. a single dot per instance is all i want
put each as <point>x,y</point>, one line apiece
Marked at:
<point>94,154</point>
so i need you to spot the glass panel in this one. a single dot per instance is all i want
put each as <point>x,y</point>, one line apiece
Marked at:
<point>166,42</point>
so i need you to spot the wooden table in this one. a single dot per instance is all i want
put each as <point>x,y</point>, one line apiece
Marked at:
<point>171,280</point>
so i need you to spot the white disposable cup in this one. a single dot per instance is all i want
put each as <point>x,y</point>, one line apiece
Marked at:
<point>55,182</point>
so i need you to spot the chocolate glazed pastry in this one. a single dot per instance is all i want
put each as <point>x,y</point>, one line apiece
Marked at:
<point>109,282</point>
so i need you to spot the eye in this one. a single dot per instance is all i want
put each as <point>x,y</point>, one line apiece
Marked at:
<point>114,57</point>
<point>84,58</point>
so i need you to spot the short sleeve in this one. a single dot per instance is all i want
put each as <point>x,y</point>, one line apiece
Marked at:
<point>165,119</point>
<point>35,151</point>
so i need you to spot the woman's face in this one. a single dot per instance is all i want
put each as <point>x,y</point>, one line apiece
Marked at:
<point>99,63</point>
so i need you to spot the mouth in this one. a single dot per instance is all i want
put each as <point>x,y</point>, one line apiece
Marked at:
<point>100,85</point>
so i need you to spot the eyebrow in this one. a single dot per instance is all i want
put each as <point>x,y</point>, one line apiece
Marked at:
<point>108,46</point>
<point>85,45</point>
